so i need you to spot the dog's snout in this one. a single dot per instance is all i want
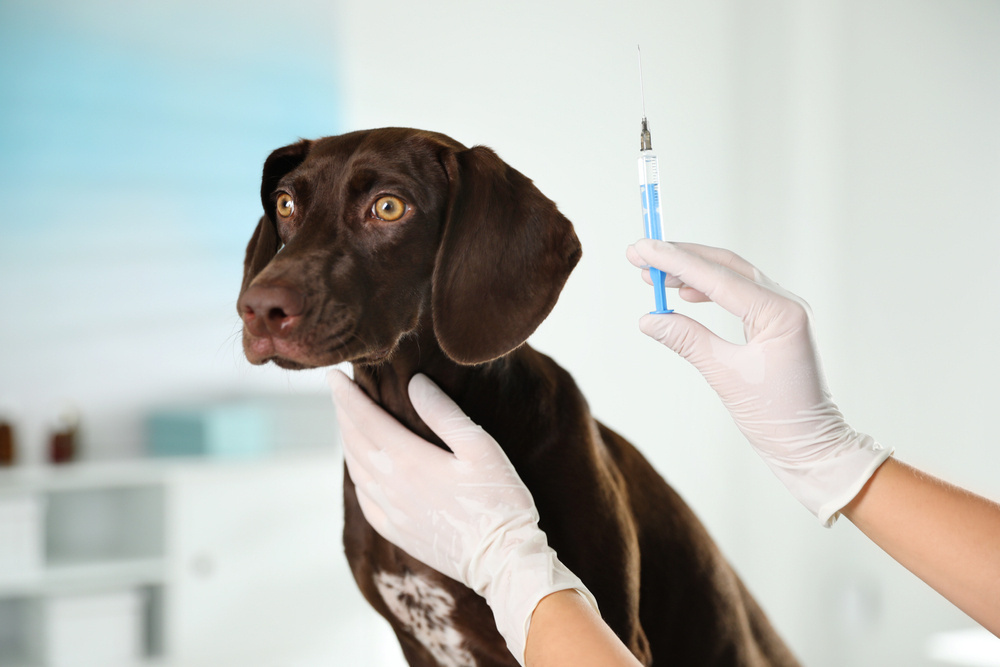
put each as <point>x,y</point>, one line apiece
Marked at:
<point>271,311</point>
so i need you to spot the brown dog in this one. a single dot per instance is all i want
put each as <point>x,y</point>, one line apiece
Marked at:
<point>403,251</point>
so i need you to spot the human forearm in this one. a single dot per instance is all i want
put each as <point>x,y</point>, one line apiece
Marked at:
<point>947,536</point>
<point>566,631</point>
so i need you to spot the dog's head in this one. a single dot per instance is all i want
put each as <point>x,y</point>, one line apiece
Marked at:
<point>368,234</point>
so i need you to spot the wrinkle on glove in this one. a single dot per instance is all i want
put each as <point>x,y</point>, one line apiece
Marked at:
<point>465,513</point>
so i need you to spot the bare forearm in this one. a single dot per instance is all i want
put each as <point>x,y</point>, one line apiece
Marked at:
<point>947,536</point>
<point>566,631</point>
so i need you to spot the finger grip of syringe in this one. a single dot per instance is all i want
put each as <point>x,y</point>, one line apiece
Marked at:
<point>652,219</point>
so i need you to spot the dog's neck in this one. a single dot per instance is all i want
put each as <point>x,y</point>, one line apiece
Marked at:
<point>387,382</point>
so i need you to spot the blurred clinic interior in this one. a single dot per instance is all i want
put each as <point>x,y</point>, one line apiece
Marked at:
<point>850,148</point>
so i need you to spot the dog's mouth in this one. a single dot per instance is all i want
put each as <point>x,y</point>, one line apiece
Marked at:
<point>307,350</point>
<point>290,365</point>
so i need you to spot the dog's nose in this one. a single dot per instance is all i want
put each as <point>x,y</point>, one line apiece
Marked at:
<point>271,310</point>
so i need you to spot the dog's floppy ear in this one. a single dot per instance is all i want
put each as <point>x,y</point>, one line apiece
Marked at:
<point>505,254</point>
<point>264,243</point>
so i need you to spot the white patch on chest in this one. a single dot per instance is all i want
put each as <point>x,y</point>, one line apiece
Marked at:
<point>425,611</point>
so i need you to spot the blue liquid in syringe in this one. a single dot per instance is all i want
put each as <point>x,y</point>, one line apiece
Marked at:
<point>649,192</point>
<point>651,211</point>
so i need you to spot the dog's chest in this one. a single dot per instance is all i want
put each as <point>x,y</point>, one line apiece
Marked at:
<point>425,610</point>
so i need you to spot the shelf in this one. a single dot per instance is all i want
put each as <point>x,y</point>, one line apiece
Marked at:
<point>68,578</point>
<point>141,662</point>
<point>144,471</point>
<point>71,476</point>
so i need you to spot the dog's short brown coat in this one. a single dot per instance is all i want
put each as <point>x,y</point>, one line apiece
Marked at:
<point>453,289</point>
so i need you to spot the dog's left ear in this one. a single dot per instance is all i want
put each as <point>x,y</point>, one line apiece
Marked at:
<point>505,254</point>
<point>264,243</point>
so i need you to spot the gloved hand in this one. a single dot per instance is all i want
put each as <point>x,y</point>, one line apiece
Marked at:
<point>774,385</point>
<point>466,514</point>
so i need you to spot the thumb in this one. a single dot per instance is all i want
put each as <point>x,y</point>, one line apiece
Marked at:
<point>461,434</point>
<point>688,338</point>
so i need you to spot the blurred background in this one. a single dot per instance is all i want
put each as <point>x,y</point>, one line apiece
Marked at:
<point>851,149</point>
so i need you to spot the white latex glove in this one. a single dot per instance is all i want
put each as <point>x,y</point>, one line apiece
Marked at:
<point>466,514</point>
<point>774,385</point>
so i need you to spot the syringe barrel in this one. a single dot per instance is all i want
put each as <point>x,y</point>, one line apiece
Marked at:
<point>649,193</point>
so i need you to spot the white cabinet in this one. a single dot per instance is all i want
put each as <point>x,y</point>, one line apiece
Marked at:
<point>86,550</point>
<point>21,531</point>
<point>108,624</point>
<point>211,563</point>
<point>257,570</point>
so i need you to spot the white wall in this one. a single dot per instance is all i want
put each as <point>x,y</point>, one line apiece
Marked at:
<point>851,149</point>
<point>869,167</point>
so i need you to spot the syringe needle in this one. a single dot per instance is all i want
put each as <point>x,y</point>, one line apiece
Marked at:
<point>642,91</point>
<point>645,142</point>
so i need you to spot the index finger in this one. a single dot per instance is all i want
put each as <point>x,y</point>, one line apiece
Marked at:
<point>721,256</point>
<point>721,275</point>
<point>369,420</point>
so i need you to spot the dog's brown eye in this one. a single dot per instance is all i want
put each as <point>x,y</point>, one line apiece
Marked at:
<point>389,208</point>
<point>285,205</point>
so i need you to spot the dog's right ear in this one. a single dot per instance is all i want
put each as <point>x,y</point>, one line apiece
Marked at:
<point>264,243</point>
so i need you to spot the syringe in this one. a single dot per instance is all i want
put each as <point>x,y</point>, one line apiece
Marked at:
<point>649,192</point>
